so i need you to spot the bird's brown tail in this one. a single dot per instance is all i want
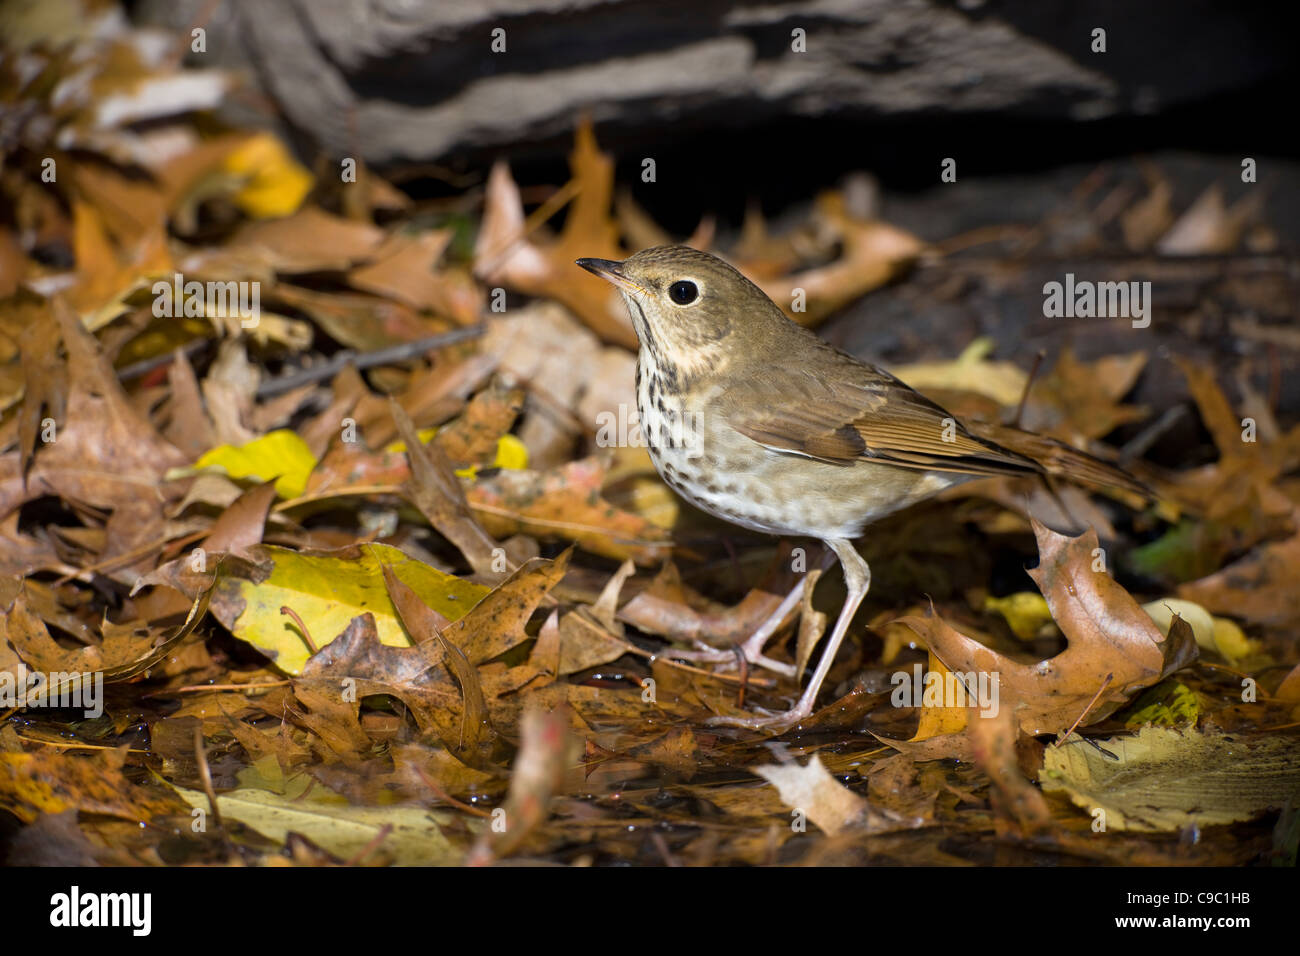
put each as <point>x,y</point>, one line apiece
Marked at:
<point>1059,459</point>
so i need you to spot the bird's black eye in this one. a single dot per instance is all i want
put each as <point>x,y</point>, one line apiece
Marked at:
<point>683,292</point>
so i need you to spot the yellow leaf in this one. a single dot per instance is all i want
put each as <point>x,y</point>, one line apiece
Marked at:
<point>937,721</point>
<point>1025,612</point>
<point>511,453</point>
<point>1232,641</point>
<point>1168,704</point>
<point>326,591</point>
<point>1212,633</point>
<point>276,183</point>
<point>408,836</point>
<point>281,455</point>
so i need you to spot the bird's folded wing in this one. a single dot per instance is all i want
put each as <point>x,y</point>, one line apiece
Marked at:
<point>861,414</point>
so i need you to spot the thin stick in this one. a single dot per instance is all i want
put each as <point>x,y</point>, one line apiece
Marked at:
<point>205,774</point>
<point>743,666</point>
<point>1137,446</point>
<point>362,360</point>
<point>306,634</point>
<point>370,847</point>
<point>1029,382</point>
<point>1095,697</point>
<point>196,688</point>
<point>445,797</point>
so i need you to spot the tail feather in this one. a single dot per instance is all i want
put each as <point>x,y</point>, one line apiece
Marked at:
<point>1059,459</point>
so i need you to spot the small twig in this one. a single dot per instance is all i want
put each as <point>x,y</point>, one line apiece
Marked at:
<point>370,847</point>
<point>1137,446</point>
<point>183,42</point>
<point>1029,382</point>
<point>363,360</point>
<point>445,797</point>
<point>197,688</point>
<point>205,774</point>
<point>306,634</point>
<point>144,366</point>
<point>1095,697</point>
<point>742,665</point>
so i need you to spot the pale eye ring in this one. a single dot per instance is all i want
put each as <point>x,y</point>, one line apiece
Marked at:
<point>683,292</point>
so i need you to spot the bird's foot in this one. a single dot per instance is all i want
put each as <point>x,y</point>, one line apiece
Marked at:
<point>770,723</point>
<point>754,655</point>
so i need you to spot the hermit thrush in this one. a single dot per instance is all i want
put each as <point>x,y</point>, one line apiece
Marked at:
<point>756,420</point>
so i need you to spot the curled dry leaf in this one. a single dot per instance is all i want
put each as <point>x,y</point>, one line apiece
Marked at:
<point>565,503</point>
<point>873,253</point>
<point>122,653</point>
<point>669,609</point>
<point>993,747</point>
<point>574,642</point>
<point>1114,647</point>
<point>505,255</point>
<point>941,731</point>
<point>105,455</point>
<point>437,492</point>
<point>496,623</point>
<point>414,675</point>
<point>242,523</point>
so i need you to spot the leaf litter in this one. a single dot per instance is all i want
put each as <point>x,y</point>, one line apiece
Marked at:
<point>422,608</point>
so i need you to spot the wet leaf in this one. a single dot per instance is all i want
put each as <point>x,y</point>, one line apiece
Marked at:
<point>1167,779</point>
<point>811,792</point>
<point>406,836</point>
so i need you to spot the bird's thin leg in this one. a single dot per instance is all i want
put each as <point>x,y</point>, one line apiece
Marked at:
<point>857,578</point>
<point>754,644</point>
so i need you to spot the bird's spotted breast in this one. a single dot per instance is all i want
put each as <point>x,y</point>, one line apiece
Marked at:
<point>732,477</point>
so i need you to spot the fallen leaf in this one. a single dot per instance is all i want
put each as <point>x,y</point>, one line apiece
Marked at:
<point>311,240</point>
<point>274,184</point>
<point>46,781</point>
<point>565,503</point>
<point>405,836</point>
<point>1114,646</point>
<point>504,255</point>
<point>435,490</point>
<point>1167,779</point>
<point>404,268</point>
<point>810,791</point>
<point>326,591</point>
<point>546,751</point>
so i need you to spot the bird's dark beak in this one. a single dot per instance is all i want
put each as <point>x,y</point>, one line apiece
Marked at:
<point>610,271</point>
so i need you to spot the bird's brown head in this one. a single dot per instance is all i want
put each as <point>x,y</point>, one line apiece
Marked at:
<point>684,303</point>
